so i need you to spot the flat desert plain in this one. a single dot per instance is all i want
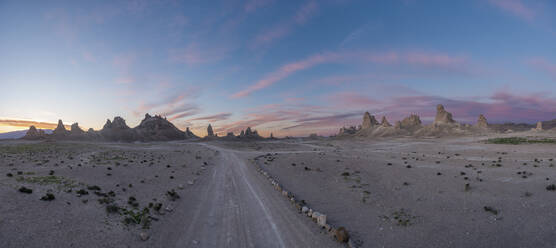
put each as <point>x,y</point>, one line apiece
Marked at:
<point>399,192</point>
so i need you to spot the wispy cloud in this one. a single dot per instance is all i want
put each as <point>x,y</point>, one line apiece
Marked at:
<point>285,27</point>
<point>175,107</point>
<point>284,72</point>
<point>213,118</point>
<point>415,58</point>
<point>515,7</point>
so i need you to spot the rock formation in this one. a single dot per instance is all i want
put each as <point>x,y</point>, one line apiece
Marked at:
<point>482,122</point>
<point>34,134</point>
<point>60,129</point>
<point>210,132</point>
<point>189,134</point>
<point>75,129</point>
<point>443,117</point>
<point>249,134</point>
<point>347,130</point>
<point>369,121</point>
<point>539,126</point>
<point>410,122</point>
<point>385,122</point>
<point>117,130</point>
<point>157,128</point>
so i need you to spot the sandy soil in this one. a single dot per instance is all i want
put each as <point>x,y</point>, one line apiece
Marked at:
<point>222,202</point>
<point>451,192</point>
<point>413,193</point>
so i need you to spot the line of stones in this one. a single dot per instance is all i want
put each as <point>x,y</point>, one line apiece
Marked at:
<point>301,206</point>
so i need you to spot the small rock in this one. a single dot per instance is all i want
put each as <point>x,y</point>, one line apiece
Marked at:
<point>144,236</point>
<point>321,220</point>
<point>190,182</point>
<point>169,208</point>
<point>341,235</point>
<point>180,186</point>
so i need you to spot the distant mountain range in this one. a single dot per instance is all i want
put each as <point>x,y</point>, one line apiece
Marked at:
<point>19,134</point>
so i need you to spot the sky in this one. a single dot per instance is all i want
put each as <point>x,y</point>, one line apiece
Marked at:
<point>282,67</point>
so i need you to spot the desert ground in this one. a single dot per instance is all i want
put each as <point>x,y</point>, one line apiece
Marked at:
<point>386,192</point>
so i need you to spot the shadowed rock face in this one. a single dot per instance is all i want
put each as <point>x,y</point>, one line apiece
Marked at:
<point>152,128</point>
<point>210,132</point>
<point>369,121</point>
<point>249,134</point>
<point>348,130</point>
<point>482,122</point>
<point>75,129</point>
<point>443,117</point>
<point>117,130</point>
<point>189,134</point>
<point>157,128</point>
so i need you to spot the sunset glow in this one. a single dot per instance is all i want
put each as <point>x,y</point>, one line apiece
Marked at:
<point>290,68</point>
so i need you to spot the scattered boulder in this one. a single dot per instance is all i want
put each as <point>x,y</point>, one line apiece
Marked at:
<point>341,235</point>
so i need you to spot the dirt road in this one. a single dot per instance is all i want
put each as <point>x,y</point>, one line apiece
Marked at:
<point>236,207</point>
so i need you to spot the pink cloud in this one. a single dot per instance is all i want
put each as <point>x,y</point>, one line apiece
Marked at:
<point>283,28</point>
<point>174,107</point>
<point>441,60</point>
<point>515,7</point>
<point>420,59</point>
<point>286,71</point>
<point>306,12</point>
<point>213,118</point>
